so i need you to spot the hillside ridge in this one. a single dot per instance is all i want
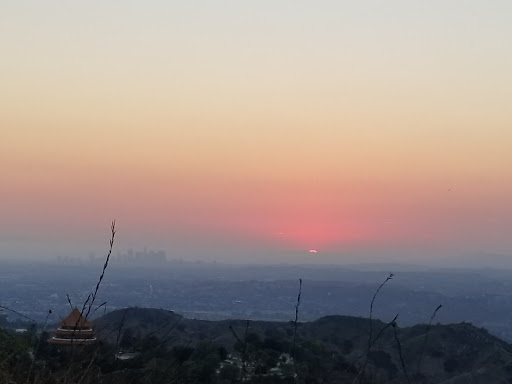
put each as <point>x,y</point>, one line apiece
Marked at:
<point>423,353</point>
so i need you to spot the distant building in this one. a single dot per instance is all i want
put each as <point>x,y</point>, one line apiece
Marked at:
<point>146,257</point>
<point>75,329</point>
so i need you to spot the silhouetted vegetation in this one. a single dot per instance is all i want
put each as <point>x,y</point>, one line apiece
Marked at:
<point>320,357</point>
<point>138,345</point>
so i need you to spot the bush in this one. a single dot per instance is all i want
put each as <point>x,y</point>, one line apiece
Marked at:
<point>451,365</point>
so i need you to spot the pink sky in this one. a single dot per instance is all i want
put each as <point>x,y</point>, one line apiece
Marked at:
<point>262,131</point>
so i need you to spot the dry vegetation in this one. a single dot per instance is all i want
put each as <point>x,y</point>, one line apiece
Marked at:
<point>158,346</point>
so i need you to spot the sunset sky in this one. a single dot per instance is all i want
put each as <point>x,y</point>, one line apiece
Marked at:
<point>254,131</point>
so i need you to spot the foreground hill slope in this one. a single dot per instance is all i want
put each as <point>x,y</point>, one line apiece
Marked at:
<point>330,349</point>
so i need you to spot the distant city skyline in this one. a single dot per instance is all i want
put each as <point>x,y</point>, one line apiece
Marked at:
<point>256,131</point>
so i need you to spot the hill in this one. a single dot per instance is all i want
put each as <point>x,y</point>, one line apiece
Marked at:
<point>330,349</point>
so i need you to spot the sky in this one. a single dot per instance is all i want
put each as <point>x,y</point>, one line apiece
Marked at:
<point>254,131</point>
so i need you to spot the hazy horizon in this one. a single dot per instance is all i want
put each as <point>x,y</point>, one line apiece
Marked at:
<point>254,132</point>
<point>391,262</point>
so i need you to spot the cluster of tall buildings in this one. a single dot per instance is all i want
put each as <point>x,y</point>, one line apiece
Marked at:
<point>142,257</point>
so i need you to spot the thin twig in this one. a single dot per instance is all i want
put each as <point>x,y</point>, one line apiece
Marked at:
<point>377,337</point>
<point>424,346</point>
<point>235,335</point>
<point>69,301</point>
<point>167,334</point>
<point>105,265</point>
<point>402,362</point>
<point>371,305</point>
<point>370,332</point>
<point>98,307</point>
<point>19,314</point>
<point>89,302</point>
<point>295,323</point>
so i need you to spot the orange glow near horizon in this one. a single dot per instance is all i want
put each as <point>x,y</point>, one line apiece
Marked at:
<point>199,127</point>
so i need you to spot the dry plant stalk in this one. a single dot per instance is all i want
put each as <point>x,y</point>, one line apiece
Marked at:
<point>360,375</point>
<point>295,323</point>
<point>424,346</point>
<point>399,345</point>
<point>89,302</point>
